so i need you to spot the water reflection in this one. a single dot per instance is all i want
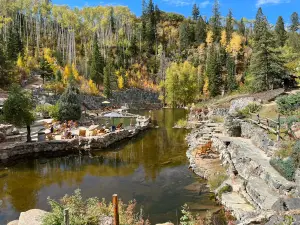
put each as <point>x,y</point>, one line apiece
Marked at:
<point>151,168</point>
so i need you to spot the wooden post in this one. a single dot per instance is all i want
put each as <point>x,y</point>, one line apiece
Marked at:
<point>278,128</point>
<point>66,217</point>
<point>268,122</point>
<point>258,119</point>
<point>116,209</point>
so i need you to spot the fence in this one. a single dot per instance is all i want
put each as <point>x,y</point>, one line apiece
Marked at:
<point>115,207</point>
<point>271,125</point>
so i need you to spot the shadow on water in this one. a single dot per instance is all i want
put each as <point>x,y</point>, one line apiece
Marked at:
<point>151,168</point>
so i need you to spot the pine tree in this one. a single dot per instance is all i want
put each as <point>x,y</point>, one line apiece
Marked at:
<point>46,70</point>
<point>200,31</point>
<point>108,73</point>
<point>231,83</point>
<point>280,32</point>
<point>229,26</point>
<point>215,21</point>
<point>266,65</point>
<point>97,64</point>
<point>242,28</point>
<point>4,69</point>
<point>195,12</point>
<point>144,20</point>
<point>14,44</point>
<point>58,76</point>
<point>260,25</point>
<point>112,20</point>
<point>151,26</point>
<point>69,105</point>
<point>184,35</point>
<point>213,72</point>
<point>295,22</point>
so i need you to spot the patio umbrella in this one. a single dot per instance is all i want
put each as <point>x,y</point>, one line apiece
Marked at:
<point>106,102</point>
<point>113,115</point>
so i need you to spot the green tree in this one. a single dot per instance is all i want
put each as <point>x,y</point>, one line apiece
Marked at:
<point>280,32</point>
<point>46,70</point>
<point>58,76</point>
<point>231,79</point>
<point>14,43</point>
<point>184,35</point>
<point>108,73</point>
<point>229,26</point>
<point>181,84</point>
<point>215,21</point>
<point>294,22</point>
<point>242,28</point>
<point>195,12</point>
<point>200,31</point>
<point>69,105</point>
<point>213,72</point>
<point>266,65</point>
<point>5,69</point>
<point>17,109</point>
<point>97,64</point>
<point>112,20</point>
<point>260,25</point>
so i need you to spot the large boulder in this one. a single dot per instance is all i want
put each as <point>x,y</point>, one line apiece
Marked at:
<point>241,103</point>
<point>32,217</point>
<point>6,128</point>
<point>105,220</point>
<point>2,137</point>
<point>14,222</point>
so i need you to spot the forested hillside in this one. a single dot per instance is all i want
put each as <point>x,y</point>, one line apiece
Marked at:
<point>103,49</point>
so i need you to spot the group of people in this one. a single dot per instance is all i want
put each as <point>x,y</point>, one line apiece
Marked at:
<point>64,128</point>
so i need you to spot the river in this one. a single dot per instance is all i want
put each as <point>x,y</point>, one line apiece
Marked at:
<point>152,168</point>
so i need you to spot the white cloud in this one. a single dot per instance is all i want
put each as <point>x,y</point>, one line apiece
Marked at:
<point>179,3</point>
<point>264,2</point>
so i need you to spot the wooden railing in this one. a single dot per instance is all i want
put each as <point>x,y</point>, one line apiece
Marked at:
<point>271,125</point>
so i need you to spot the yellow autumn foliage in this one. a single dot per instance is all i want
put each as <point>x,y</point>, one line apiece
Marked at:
<point>223,40</point>
<point>209,37</point>
<point>67,74</point>
<point>93,88</point>
<point>75,72</point>
<point>120,82</point>
<point>236,44</point>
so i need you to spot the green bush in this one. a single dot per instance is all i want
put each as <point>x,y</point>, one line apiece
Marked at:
<point>69,107</point>
<point>286,167</point>
<point>251,108</point>
<point>181,123</point>
<point>48,110</point>
<point>289,104</point>
<point>216,180</point>
<point>89,211</point>
<point>226,188</point>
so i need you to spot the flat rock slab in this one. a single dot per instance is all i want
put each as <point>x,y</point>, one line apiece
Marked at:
<point>237,204</point>
<point>32,217</point>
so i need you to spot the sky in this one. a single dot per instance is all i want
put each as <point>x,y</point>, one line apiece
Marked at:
<point>240,8</point>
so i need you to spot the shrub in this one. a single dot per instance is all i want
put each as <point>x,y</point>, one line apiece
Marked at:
<point>217,119</point>
<point>48,110</point>
<point>216,180</point>
<point>289,105</point>
<point>251,108</point>
<point>181,123</point>
<point>226,188</point>
<point>285,167</point>
<point>286,150</point>
<point>89,211</point>
<point>188,219</point>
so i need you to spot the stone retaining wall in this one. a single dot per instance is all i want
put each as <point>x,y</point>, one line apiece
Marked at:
<point>10,151</point>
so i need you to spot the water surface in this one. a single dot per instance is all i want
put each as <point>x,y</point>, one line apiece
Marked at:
<point>151,168</point>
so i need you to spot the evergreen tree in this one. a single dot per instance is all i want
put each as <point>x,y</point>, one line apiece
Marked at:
<point>151,26</point>
<point>184,35</point>
<point>97,64</point>
<point>260,25</point>
<point>46,70</point>
<point>280,32</point>
<point>295,22</point>
<point>242,28</point>
<point>144,20</point>
<point>58,76</point>
<point>4,69</point>
<point>231,79</point>
<point>112,20</point>
<point>157,14</point>
<point>133,48</point>
<point>229,26</point>
<point>69,105</point>
<point>108,73</point>
<point>266,64</point>
<point>14,43</point>
<point>215,22</point>
<point>200,31</point>
<point>213,72</point>
<point>196,12</point>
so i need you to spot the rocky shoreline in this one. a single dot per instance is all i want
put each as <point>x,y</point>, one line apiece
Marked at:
<point>253,191</point>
